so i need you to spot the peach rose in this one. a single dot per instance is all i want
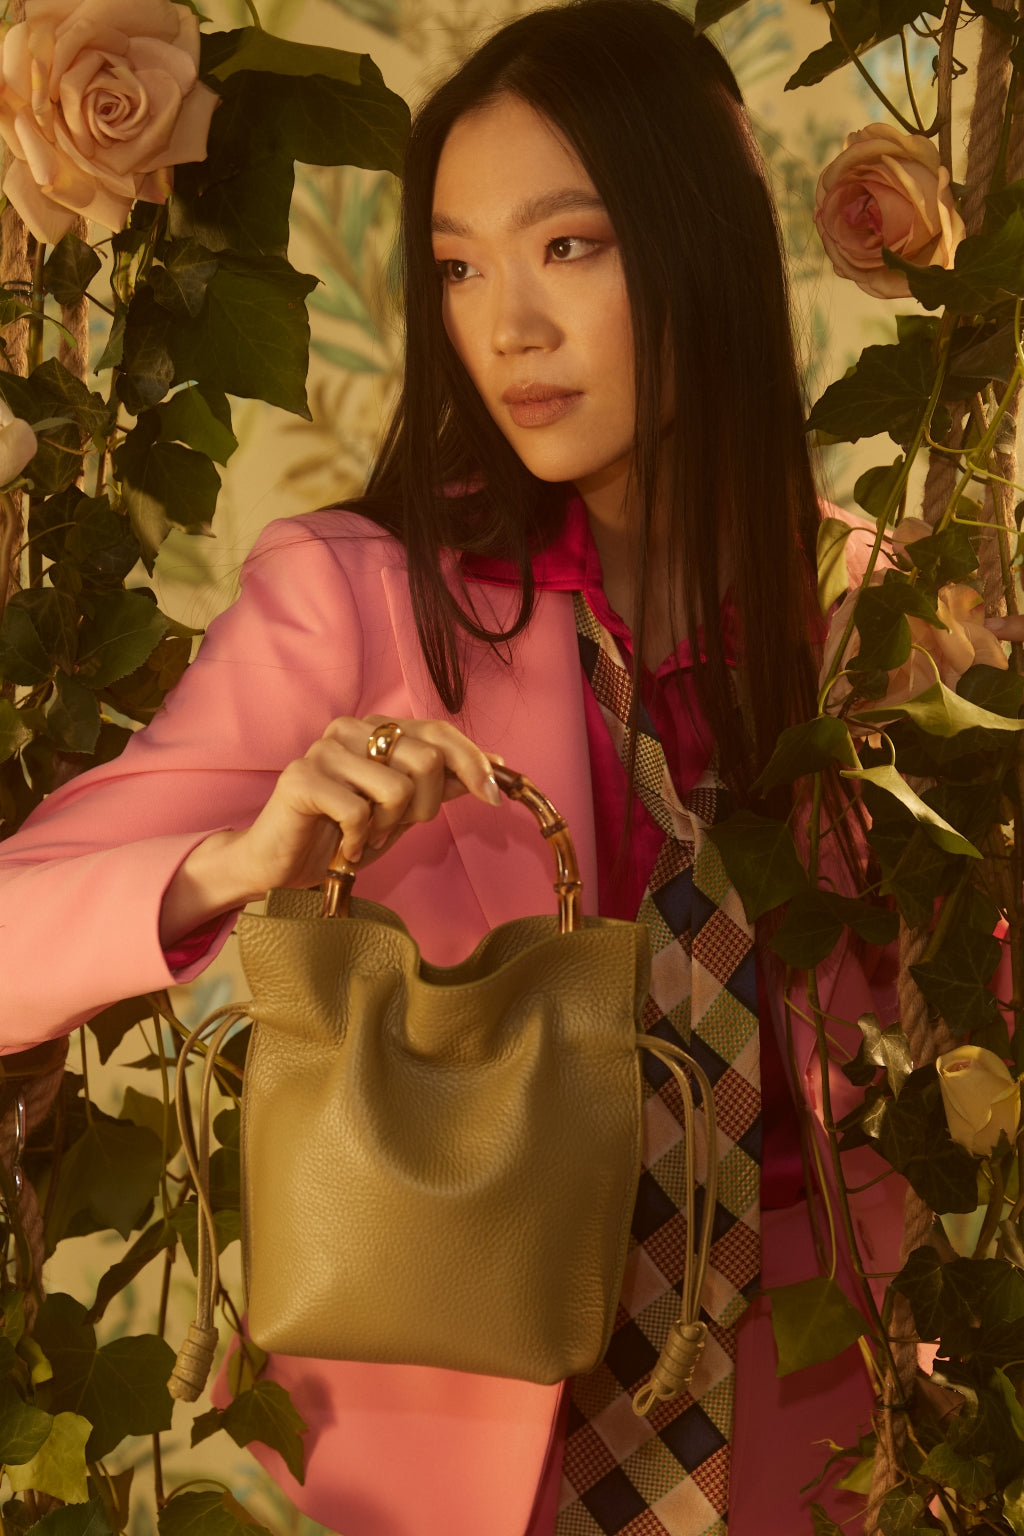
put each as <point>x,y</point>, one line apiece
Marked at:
<point>98,99</point>
<point>964,641</point>
<point>886,188</point>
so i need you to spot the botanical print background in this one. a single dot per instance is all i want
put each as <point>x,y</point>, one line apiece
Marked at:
<point>343,224</point>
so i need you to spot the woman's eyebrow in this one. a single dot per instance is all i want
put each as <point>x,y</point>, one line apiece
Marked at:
<point>527,213</point>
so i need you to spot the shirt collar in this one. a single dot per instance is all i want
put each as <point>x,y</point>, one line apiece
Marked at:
<point>571,563</point>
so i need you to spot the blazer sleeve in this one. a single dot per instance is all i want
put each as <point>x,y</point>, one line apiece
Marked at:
<point>82,881</point>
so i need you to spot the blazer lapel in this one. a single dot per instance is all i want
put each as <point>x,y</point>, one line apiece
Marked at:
<point>527,706</point>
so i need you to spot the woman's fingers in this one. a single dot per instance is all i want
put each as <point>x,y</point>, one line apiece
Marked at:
<point>1010,628</point>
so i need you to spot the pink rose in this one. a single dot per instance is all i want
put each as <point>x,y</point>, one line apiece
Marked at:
<point>98,98</point>
<point>964,641</point>
<point>886,188</point>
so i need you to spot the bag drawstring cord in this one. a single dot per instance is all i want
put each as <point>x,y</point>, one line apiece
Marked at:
<point>195,1357</point>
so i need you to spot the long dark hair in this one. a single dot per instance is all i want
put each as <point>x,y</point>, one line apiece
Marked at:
<point>656,118</point>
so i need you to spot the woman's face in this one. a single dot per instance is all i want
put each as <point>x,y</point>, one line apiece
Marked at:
<point>534,297</point>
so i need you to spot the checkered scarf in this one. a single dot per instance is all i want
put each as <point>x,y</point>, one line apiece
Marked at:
<point>668,1474</point>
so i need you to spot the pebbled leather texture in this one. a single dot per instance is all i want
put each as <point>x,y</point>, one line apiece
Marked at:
<point>439,1164</point>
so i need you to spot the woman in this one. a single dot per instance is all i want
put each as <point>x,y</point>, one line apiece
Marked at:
<point>596,471</point>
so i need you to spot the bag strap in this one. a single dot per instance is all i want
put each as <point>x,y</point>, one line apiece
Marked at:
<point>195,1357</point>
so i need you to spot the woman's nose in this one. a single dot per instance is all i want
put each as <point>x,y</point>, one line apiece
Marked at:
<point>522,319</point>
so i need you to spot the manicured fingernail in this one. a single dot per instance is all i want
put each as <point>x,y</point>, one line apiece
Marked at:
<point>491,789</point>
<point>377,843</point>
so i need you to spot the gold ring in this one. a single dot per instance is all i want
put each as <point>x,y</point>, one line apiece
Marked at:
<point>383,741</point>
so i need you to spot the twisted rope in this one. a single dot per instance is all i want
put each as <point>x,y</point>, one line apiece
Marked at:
<point>35,1078</point>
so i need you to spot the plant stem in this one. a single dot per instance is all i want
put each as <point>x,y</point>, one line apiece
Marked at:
<point>944,83</point>
<point>909,77</point>
<point>254,13</point>
<point>38,300</point>
<point>994,1212</point>
<point>851,52</point>
<point>85,1073</point>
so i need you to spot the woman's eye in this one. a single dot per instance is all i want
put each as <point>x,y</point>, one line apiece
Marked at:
<point>570,247</point>
<point>456,271</point>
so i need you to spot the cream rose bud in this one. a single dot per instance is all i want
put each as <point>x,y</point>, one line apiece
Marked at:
<point>886,188</point>
<point>18,444</point>
<point>980,1097</point>
<point>98,99</point>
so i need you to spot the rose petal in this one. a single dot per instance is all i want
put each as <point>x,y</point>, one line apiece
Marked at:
<point>47,220</point>
<point>18,444</point>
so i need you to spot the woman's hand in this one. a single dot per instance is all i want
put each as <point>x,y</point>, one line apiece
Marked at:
<point>335,786</point>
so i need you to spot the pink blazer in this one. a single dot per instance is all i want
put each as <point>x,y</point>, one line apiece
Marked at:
<point>323,628</point>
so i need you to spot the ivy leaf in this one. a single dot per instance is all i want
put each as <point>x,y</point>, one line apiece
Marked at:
<point>146,1110</point>
<point>955,981</point>
<point>1013,1506</point>
<point>338,114</point>
<point>99,548</point>
<point>146,370</point>
<point>120,632</point>
<point>121,1389</point>
<point>253,49</point>
<point>901,1512</point>
<point>863,23</point>
<point>822,1524</point>
<point>68,396</point>
<point>16,729</point>
<point>180,285</point>
<point>814,923</point>
<point>165,486</point>
<point>941,712</point>
<point>69,269</point>
<point>110,1173</point>
<point>812,1321</point>
<point>875,487</point>
<point>943,557</point>
<point>761,860</point>
<point>881,619</point>
<point>922,1281</point>
<point>74,1520</point>
<point>940,831</point>
<point>58,1467</point>
<point>24,1429</point>
<point>160,1236</point>
<point>111,1026</point>
<point>113,353</point>
<point>227,1224</point>
<point>972,1479</point>
<point>913,1136</point>
<point>888,1048</point>
<point>37,635</point>
<point>987,268</point>
<point>140,694</point>
<point>252,338</point>
<point>266,1413</point>
<point>206,1514</point>
<point>887,391</point>
<point>808,748</point>
<point>73,719</point>
<point>991,688</point>
<point>188,417</point>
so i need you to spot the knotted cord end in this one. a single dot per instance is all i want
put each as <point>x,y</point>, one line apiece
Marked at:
<point>674,1368</point>
<point>192,1367</point>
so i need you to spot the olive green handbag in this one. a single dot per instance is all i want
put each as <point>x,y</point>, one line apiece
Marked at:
<point>439,1165</point>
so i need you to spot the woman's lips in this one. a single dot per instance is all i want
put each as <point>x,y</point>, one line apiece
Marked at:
<point>539,408</point>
